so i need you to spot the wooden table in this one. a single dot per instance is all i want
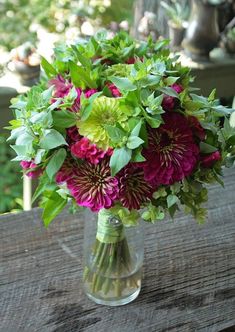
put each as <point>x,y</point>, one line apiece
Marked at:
<point>189,282</point>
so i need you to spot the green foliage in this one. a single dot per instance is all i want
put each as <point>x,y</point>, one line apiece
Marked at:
<point>176,11</point>
<point>11,184</point>
<point>52,206</point>
<point>41,120</point>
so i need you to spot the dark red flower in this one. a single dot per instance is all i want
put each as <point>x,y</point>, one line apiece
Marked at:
<point>172,153</point>
<point>208,161</point>
<point>169,102</point>
<point>72,135</point>
<point>133,60</point>
<point>33,171</point>
<point>114,90</point>
<point>134,190</point>
<point>66,171</point>
<point>196,127</point>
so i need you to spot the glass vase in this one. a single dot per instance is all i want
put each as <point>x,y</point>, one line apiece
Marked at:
<point>113,259</point>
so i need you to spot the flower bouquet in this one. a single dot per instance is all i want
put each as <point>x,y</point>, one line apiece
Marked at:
<point>116,128</point>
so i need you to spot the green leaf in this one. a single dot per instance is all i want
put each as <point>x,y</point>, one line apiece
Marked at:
<point>54,205</point>
<point>64,119</point>
<point>154,121</point>
<point>222,110</point>
<point>116,134</point>
<point>52,139</point>
<point>171,80</point>
<point>119,159</point>
<point>171,200</point>
<point>82,59</point>
<point>232,120</point>
<point>21,150</point>
<point>38,157</point>
<point>202,101</point>
<point>150,80</point>
<point>55,104</point>
<point>44,119</point>
<point>159,68</point>
<point>134,142</point>
<point>24,139</point>
<point>160,44</point>
<point>122,83</point>
<point>212,95</point>
<point>207,148</point>
<point>86,105</point>
<point>169,91</point>
<point>47,94</point>
<point>43,183</point>
<point>55,162</point>
<point>136,130</point>
<point>79,74</point>
<point>137,156</point>
<point>48,68</point>
<point>153,213</point>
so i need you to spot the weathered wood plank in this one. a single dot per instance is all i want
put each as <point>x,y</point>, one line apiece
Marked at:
<point>189,282</point>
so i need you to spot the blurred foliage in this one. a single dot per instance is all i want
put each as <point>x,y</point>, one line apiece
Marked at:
<point>11,184</point>
<point>20,18</point>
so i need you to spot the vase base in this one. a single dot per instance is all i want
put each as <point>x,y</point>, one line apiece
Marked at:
<point>114,302</point>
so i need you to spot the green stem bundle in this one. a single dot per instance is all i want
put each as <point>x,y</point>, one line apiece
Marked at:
<point>110,269</point>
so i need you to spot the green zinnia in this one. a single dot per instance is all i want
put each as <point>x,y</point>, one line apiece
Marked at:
<point>105,111</point>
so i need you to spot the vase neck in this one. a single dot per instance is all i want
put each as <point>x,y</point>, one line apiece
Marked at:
<point>110,228</point>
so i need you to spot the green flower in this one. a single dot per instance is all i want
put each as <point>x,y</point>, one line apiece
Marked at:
<point>105,111</point>
<point>120,69</point>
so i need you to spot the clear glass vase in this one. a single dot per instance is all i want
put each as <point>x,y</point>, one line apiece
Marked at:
<point>113,259</point>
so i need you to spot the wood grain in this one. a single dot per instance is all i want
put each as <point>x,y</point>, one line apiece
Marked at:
<point>189,282</point>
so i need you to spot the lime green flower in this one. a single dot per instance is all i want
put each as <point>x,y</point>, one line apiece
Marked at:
<point>105,111</point>
<point>119,69</point>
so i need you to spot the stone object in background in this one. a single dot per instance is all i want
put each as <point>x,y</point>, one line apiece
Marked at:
<point>26,63</point>
<point>202,34</point>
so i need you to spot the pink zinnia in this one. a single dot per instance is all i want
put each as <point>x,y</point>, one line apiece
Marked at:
<point>172,153</point>
<point>93,186</point>
<point>90,92</point>
<point>208,161</point>
<point>72,135</point>
<point>169,102</point>
<point>35,170</point>
<point>62,87</point>
<point>114,90</point>
<point>134,190</point>
<point>84,149</point>
<point>76,105</point>
<point>66,171</point>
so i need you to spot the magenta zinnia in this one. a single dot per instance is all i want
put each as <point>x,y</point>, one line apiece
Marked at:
<point>172,153</point>
<point>93,186</point>
<point>84,149</point>
<point>66,171</point>
<point>134,190</point>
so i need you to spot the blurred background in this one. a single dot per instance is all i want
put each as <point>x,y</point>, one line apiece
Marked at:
<point>31,28</point>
